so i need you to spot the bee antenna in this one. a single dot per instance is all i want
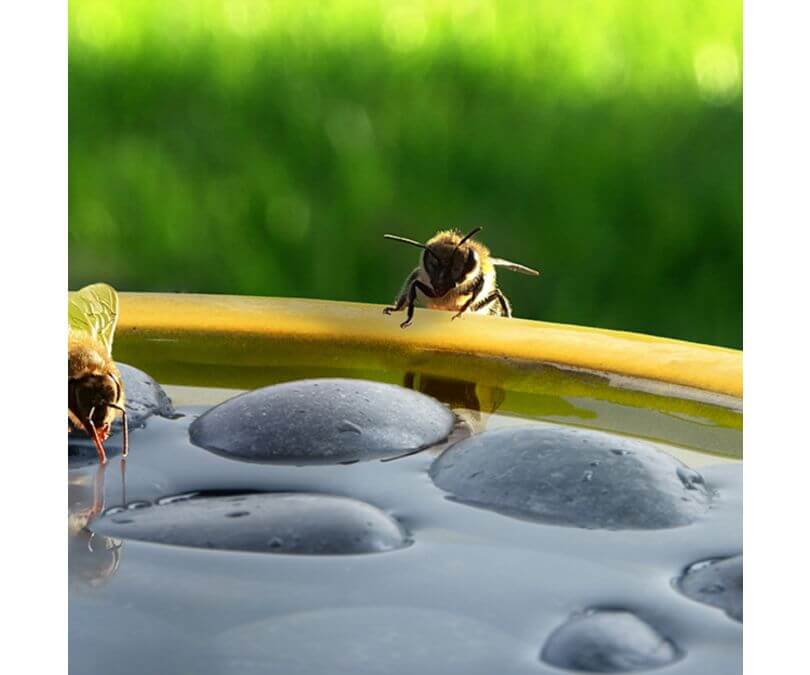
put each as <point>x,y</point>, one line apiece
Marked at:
<point>412,242</point>
<point>405,240</point>
<point>469,235</point>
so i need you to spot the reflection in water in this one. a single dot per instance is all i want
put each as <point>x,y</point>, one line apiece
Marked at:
<point>92,558</point>
<point>473,403</point>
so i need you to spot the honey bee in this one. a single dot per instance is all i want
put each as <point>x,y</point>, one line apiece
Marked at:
<point>95,389</point>
<point>456,274</point>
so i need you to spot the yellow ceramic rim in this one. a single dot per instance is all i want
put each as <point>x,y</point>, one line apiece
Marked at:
<point>280,332</point>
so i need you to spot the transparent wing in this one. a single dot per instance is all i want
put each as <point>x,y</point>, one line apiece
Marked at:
<point>515,267</point>
<point>94,310</point>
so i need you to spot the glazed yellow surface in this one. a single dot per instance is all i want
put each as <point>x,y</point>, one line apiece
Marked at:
<point>283,332</point>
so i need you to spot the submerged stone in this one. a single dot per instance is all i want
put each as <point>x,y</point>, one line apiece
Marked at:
<point>368,640</point>
<point>717,582</point>
<point>608,641</point>
<point>573,477</point>
<point>134,641</point>
<point>311,524</point>
<point>323,421</point>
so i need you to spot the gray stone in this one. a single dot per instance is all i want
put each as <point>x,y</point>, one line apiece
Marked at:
<point>144,398</point>
<point>717,582</point>
<point>608,641</point>
<point>573,477</point>
<point>323,421</point>
<point>311,524</point>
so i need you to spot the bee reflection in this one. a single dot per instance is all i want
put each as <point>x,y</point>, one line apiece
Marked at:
<point>92,558</point>
<point>472,402</point>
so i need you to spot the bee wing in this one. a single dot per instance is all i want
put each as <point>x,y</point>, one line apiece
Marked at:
<point>93,310</point>
<point>515,267</point>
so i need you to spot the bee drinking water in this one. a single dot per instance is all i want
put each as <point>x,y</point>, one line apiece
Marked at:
<point>95,389</point>
<point>456,274</point>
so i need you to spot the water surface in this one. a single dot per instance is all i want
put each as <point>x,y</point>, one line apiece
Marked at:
<point>472,591</point>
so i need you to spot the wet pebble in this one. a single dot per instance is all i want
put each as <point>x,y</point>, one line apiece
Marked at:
<point>311,524</point>
<point>323,421</point>
<point>144,398</point>
<point>573,477</point>
<point>608,641</point>
<point>717,582</point>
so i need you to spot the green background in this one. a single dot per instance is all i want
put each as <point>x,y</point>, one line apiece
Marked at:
<point>265,147</point>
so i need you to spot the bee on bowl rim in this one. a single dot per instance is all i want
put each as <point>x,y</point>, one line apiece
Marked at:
<point>456,273</point>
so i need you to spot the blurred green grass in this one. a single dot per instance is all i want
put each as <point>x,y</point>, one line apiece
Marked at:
<point>265,147</point>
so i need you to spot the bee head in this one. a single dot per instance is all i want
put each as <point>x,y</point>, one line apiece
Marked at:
<point>92,398</point>
<point>446,260</point>
<point>448,265</point>
<point>449,261</point>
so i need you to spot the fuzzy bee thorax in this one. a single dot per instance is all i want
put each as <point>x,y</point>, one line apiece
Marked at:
<point>87,356</point>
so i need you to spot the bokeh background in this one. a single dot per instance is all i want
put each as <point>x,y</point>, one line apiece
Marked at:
<point>264,147</point>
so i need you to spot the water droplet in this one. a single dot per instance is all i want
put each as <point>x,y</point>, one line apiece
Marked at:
<point>176,498</point>
<point>690,479</point>
<point>713,589</point>
<point>347,426</point>
<point>587,476</point>
<point>138,505</point>
<point>237,514</point>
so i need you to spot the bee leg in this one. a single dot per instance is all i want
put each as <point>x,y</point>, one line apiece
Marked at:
<point>102,456</point>
<point>402,298</point>
<point>415,286</point>
<point>463,309</point>
<point>126,435</point>
<point>125,426</point>
<point>475,293</point>
<point>506,309</point>
<point>124,480</point>
<point>485,302</point>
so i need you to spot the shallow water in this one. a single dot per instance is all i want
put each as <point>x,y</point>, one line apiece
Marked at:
<point>470,591</point>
